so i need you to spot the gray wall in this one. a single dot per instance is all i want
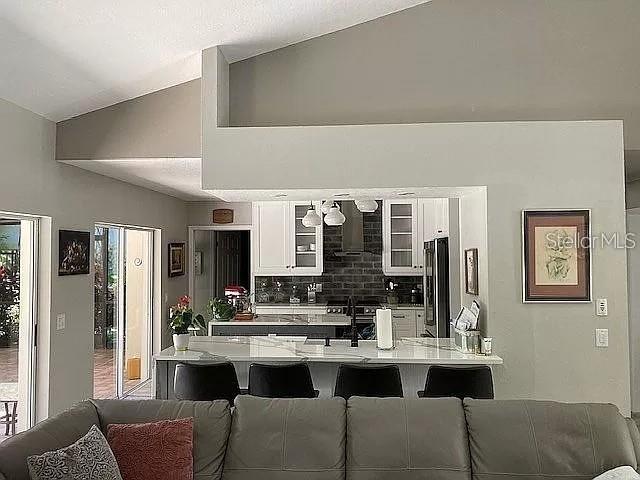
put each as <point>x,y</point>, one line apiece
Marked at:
<point>32,182</point>
<point>455,61</point>
<point>158,125</point>
<point>549,350</point>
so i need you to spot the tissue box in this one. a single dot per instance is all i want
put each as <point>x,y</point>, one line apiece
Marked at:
<point>467,341</point>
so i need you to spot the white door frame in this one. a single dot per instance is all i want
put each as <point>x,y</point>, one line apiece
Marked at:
<point>32,337</point>
<point>155,258</point>
<point>224,228</point>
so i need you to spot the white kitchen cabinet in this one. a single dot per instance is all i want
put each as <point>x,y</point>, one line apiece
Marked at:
<point>433,218</point>
<point>400,237</point>
<point>281,244</point>
<point>406,225</point>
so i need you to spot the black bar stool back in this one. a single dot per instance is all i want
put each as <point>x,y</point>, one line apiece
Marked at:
<point>281,381</point>
<point>368,381</point>
<point>461,382</point>
<point>206,382</point>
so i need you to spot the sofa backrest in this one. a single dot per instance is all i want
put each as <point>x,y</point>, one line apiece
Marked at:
<point>51,434</point>
<point>537,439</point>
<point>212,421</point>
<point>293,439</point>
<point>407,438</point>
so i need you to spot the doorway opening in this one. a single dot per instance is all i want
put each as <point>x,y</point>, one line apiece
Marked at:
<point>18,300</point>
<point>123,312</point>
<point>219,257</point>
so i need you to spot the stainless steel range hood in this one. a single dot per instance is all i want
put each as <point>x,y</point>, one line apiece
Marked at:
<point>352,231</point>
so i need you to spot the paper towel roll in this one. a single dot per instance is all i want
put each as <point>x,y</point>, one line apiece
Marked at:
<point>384,328</point>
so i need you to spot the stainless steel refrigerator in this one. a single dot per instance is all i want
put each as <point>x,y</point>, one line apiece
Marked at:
<point>436,288</point>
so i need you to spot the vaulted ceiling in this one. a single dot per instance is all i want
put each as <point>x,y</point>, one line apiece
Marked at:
<point>63,58</point>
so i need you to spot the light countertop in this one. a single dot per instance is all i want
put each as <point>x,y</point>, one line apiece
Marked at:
<point>285,319</point>
<point>274,349</point>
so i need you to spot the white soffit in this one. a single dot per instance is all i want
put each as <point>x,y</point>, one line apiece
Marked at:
<point>64,58</point>
<point>178,177</point>
<point>344,193</point>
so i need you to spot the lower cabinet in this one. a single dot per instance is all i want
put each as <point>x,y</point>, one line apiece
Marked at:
<point>404,323</point>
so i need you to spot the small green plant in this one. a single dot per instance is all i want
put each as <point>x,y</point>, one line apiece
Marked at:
<point>221,309</point>
<point>182,318</point>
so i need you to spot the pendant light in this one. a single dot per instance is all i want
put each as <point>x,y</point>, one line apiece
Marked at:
<point>334,217</point>
<point>366,206</point>
<point>311,219</point>
<point>326,205</point>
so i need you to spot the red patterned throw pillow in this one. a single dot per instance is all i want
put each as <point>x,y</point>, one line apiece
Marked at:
<point>154,451</point>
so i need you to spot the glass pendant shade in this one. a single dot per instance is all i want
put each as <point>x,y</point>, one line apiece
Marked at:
<point>326,206</point>
<point>311,219</point>
<point>334,217</point>
<point>366,206</point>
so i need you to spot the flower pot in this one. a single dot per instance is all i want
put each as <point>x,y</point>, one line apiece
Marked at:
<point>181,341</point>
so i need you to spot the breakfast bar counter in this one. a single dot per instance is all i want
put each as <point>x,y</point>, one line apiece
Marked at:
<point>412,355</point>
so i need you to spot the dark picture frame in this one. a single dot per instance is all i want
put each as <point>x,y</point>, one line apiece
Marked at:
<point>176,259</point>
<point>74,253</point>
<point>556,256</point>
<point>471,271</point>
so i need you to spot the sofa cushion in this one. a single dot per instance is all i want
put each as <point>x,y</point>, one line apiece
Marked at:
<point>212,421</point>
<point>539,439</point>
<point>166,447</point>
<point>286,439</point>
<point>51,434</point>
<point>406,439</point>
<point>90,458</point>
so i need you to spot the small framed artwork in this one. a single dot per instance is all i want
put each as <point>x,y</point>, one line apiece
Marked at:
<point>74,249</point>
<point>556,256</point>
<point>471,271</point>
<point>176,259</point>
<point>223,215</point>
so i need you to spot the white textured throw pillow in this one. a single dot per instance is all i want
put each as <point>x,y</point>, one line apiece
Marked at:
<point>619,473</point>
<point>90,458</point>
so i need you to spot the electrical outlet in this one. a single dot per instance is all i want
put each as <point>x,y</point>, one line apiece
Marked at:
<point>602,309</point>
<point>318,288</point>
<point>61,321</point>
<point>602,337</point>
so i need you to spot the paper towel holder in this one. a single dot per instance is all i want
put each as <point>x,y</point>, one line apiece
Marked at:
<point>384,330</point>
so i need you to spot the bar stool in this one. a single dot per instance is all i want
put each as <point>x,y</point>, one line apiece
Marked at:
<point>281,381</point>
<point>216,381</point>
<point>368,381</point>
<point>460,382</point>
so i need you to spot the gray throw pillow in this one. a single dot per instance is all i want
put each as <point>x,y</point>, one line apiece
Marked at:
<point>90,458</point>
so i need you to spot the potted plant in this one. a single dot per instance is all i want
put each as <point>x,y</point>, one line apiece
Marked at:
<point>221,309</point>
<point>182,321</point>
<point>9,305</point>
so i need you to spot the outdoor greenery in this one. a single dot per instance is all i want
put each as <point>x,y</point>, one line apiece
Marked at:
<point>9,297</point>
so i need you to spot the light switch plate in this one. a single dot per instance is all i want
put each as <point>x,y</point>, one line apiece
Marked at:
<point>61,321</point>
<point>602,337</point>
<point>602,308</point>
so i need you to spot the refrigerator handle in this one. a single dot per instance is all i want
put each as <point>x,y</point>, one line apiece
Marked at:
<point>425,289</point>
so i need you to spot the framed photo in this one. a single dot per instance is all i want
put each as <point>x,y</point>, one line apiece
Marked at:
<point>556,256</point>
<point>176,259</point>
<point>74,251</point>
<point>471,271</point>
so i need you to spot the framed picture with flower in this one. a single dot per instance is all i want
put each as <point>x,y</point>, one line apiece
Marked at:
<point>556,256</point>
<point>176,259</point>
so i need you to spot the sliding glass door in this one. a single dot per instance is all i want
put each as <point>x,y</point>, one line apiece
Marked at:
<point>123,318</point>
<point>18,300</point>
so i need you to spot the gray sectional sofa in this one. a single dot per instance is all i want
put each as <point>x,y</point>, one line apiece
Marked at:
<point>365,438</point>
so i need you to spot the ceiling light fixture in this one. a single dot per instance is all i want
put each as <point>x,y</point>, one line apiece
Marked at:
<point>366,206</point>
<point>334,217</point>
<point>326,205</point>
<point>311,219</point>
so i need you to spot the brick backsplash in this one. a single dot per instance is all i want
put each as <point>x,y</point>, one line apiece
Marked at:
<point>354,275</point>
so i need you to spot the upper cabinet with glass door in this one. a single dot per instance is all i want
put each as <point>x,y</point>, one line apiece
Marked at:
<point>406,225</point>
<point>305,242</point>
<point>400,237</point>
<point>282,245</point>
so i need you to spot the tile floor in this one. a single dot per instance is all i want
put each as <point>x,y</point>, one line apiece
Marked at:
<point>103,371</point>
